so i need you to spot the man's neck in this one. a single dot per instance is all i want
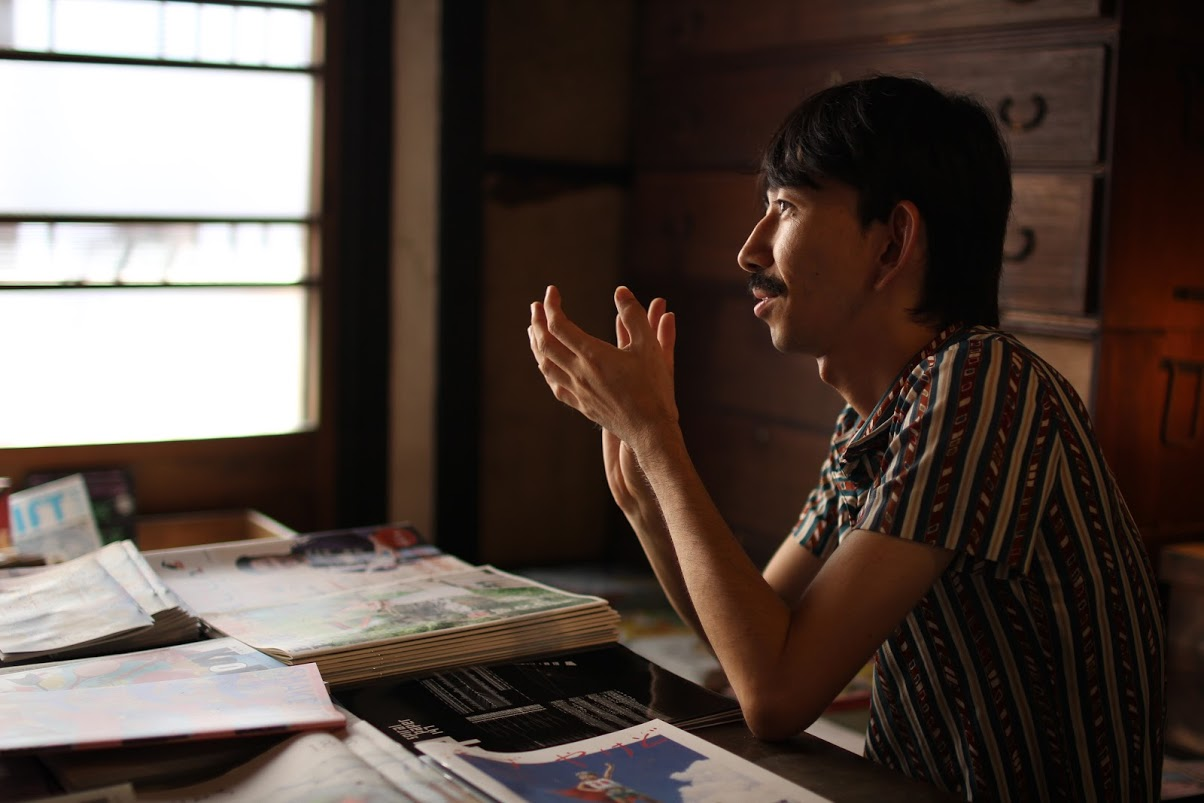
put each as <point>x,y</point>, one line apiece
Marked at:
<point>864,368</point>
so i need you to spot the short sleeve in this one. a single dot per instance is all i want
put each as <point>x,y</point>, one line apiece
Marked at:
<point>819,523</point>
<point>970,440</point>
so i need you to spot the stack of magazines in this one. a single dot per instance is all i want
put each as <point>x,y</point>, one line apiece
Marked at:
<point>377,602</point>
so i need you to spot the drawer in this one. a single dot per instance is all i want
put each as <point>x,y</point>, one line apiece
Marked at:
<point>1047,253</point>
<point>725,359</point>
<point>1152,427</point>
<point>758,474</point>
<point>676,27</point>
<point>1049,102</point>
<point>693,224</point>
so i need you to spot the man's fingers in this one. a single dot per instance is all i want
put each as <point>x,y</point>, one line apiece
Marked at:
<point>562,328</point>
<point>622,336</point>
<point>544,344</point>
<point>655,311</point>
<point>666,335</point>
<point>633,316</point>
<point>558,380</point>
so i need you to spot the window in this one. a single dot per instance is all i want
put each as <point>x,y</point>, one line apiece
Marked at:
<point>158,220</point>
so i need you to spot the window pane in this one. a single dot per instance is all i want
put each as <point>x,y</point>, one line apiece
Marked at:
<point>152,253</point>
<point>122,140</point>
<point>151,29</point>
<point>136,365</point>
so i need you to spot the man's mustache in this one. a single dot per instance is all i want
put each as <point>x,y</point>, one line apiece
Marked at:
<point>767,284</point>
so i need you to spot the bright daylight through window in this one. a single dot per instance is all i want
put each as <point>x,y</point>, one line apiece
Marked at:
<point>158,219</point>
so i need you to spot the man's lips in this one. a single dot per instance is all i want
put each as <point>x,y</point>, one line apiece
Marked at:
<point>764,289</point>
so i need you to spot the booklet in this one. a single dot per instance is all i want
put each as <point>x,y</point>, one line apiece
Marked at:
<point>206,658</point>
<point>537,702</point>
<point>281,699</point>
<point>647,763</point>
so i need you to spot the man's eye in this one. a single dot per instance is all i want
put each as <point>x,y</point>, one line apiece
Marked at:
<point>783,206</point>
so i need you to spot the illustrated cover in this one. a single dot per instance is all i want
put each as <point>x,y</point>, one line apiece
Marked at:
<point>54,520</point>
<point>654,762</point>
<point>288,698</point>
<point>376,614</point>
<point>539,702</point>
<point>111,493</point>
<point>219,656</point>
<point>267,571</point>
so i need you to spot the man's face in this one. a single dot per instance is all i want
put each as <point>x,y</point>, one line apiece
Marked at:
<point>812,266</point>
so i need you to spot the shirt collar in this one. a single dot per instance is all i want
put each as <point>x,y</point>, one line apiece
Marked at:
<point>884,412</point>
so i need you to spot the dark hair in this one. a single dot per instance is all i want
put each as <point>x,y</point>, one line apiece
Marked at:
<point>894,139</point>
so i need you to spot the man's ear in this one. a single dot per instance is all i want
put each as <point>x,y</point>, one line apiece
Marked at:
<point>904,243</point>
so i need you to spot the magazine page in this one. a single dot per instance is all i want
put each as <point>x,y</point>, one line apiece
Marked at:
<point>538,702</point>
<point>381,613</point>
<point>54,520</point>
<point>240,704</point>
<point>64,606</point>
<point>195,659</point>
<point>650,763</point>
<point>270,571</point>
<point>121,561</point>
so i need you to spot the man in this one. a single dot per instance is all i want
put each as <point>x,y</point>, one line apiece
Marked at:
<point>965,530</point>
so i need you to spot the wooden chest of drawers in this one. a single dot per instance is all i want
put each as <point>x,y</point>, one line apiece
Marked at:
<point>716,77</point>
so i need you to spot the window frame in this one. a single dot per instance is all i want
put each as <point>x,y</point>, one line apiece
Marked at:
<point>292,477</point>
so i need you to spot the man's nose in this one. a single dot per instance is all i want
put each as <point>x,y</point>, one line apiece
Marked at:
<point>757,252</point>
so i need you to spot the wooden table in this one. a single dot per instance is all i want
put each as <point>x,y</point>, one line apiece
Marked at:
<point>824,768</point>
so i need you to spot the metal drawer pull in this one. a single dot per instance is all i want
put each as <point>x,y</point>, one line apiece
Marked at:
<point>1040,108</point>
<point>1177,372</point>
<point>1029,236</point>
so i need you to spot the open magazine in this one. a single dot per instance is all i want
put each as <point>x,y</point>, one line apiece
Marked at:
<point>537,702</point>
<point>653,762</point>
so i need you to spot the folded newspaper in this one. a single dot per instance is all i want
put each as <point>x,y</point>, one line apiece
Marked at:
<point>102,602</point>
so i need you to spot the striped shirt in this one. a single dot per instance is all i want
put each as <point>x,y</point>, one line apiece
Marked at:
<point>1033,669</point>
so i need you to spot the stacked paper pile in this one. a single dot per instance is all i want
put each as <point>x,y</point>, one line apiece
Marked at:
<point>409,626</point>
<point>102,602</point>
<point>375,602</point>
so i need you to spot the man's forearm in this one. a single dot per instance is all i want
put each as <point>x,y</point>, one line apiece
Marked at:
<point>658,547</point>
<point>738,613</point>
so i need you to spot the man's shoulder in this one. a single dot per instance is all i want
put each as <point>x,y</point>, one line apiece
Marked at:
<point>985,353</point>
